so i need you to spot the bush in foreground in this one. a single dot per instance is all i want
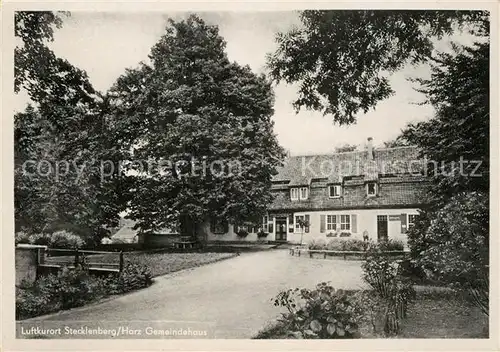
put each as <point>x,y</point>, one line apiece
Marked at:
<point>322,313</point>
<point>74,288</point>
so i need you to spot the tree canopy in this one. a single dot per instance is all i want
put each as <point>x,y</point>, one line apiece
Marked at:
<point>60,139</point>
<point>342,59</point>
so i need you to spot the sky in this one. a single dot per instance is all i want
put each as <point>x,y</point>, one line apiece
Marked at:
<point>104,44</point>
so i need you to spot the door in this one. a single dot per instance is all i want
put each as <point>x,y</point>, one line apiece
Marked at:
<point>382,228</point>
<point>281,229</point>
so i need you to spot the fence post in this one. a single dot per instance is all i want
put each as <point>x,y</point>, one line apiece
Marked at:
<point>121,261</point>
<point>76,258</point>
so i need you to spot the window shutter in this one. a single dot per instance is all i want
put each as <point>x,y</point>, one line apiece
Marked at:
<point>307,219</point>
<point>290,223</point>
<point>226,227</point>
<point>322,223</point>
<point>354,223</point>
<point>212,225</point>
<point>403,223</point>
<point>270,224</point>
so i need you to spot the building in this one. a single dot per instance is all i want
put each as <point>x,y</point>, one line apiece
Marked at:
<point>372,193</point>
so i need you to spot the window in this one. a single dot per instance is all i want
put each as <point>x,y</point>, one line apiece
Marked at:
<point>302,218</point>
<point>304,193</point>
<point>371,188</point>
<point>298,218</point>
<point>265,221</point>
<point>331,222</point>
<point>334,191</point>
<point>219,227</point>
<point>411,220</point>
<point>297,193</point>
<point>345,222</point>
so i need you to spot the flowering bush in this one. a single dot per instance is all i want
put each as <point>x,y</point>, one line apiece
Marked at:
<point>322,313</point>
<point>65,239</point>
<point>22,237</point>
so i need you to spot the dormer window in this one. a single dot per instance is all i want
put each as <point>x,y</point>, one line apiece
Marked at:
<point>297,193</point>
<point>334,191</point>
<point>371,189</point>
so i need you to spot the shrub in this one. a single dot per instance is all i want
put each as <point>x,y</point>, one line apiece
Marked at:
<point>453,243</point>
<point>261,234</point>
<point>22,237</point>
<point>40,239</point>
<point>65,239</point>
<point>133,277</point>
<point>391,245</point>
<point>242,233</point>
<point>75,287</point>
<point>317,244</point>
<point>335,245</point>
<point>353,245</point>
<point>323,313</point>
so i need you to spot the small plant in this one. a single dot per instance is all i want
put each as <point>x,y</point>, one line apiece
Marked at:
<point>331,234</point>
<point>322,313</point>
<point>345,234</point>
<point>242,233</point>
<point>262,234</point>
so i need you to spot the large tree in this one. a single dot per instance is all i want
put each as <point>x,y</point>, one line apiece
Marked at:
<point>64,126</point>
<point>342,59</point>
<point>200,131</point>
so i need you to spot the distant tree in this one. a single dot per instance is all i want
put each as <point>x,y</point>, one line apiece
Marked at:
<point>192,104</point>
<point>346,148</point>
<point>342,59</point>
<point>397,142</point>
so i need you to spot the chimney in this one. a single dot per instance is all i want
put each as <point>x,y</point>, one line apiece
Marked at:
<point>369,147</point>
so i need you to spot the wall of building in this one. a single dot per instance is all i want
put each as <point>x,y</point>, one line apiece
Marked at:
<point>366,221</point>
<point>232,236</point>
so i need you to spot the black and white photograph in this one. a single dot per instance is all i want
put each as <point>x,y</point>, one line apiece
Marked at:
<point>296,174</point>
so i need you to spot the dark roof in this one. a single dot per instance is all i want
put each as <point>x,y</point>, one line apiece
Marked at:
<point>299,170</point>
<point>397,171</point>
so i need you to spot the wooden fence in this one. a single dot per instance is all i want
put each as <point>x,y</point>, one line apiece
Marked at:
<point>344,254</point>
<point>94,261</point>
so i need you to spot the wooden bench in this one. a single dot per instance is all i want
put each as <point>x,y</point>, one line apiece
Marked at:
<point>185,244</point>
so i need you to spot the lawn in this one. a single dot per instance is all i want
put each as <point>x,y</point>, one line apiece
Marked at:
<point>443,316</point>
<point>160,263</point>
<point>165,263</point>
